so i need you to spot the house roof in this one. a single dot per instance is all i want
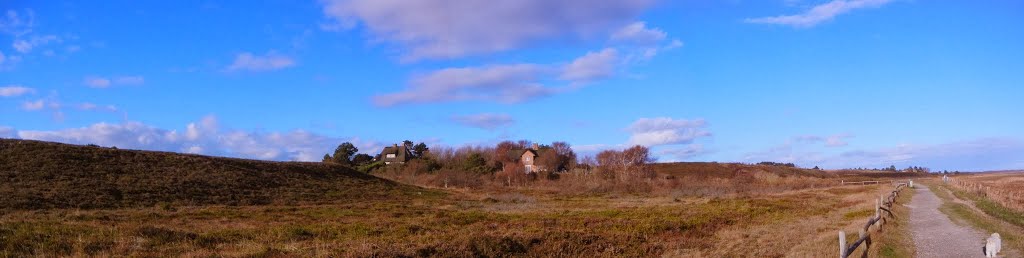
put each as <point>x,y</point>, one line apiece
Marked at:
<point>518,153</point>
<point>400,151</point>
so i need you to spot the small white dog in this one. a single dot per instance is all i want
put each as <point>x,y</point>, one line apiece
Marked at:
<point>992,245</point>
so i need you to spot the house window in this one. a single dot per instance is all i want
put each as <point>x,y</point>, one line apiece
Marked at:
<point>390,155</point>
<point>527,159</point>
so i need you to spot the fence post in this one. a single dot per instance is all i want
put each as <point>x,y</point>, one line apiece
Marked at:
<point>911,183</point>
<point>878,207</point>
<point>842,244</point>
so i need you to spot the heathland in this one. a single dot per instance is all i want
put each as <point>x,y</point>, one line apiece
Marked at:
<point>64,200</point>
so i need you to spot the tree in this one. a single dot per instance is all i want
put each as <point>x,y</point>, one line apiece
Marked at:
<point>566,157</point>
<point>343,154</point>
<point>475,162</point>
<point>419,150</point>
<point>327,158</point>
<point>501,152</point>
<point>362,158</point>
<point>816,168</point>
<point>549,160</point>
<point>407,144</point>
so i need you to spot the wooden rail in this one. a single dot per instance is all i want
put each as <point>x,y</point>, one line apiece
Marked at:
<point>883,203</point>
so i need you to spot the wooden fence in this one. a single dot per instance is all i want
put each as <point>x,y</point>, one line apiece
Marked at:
<point>884,203</point>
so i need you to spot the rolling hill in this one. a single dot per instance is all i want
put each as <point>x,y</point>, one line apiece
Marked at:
<point>45,175</point>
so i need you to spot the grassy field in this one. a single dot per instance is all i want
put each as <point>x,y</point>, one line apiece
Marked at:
<point>1003,189</point>
<point>978,211</point>
<point>317,210</point>
<point>800,223</point>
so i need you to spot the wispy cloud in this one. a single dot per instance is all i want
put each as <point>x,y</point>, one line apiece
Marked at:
<point>33,105</point>
<point>16,23</point>
<point>26,45</point>
<point>503,83</point>
<point>836,140</point>
<point>440,29</point>
<point>666,131</point>
<point>506,83</point>
<point>638,33</point>
<point>486,121</point>
<point>104,82</point>
<point>592,66</point>
<point>260,63</point>
<point>15,90</point>
<point>93,107</point>
<point>819,13</point>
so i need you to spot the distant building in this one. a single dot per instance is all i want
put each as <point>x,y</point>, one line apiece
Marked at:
<point>528,158</point>
<point>395,154</point>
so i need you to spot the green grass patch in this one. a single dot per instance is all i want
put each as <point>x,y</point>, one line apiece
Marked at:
<point>859,214</point>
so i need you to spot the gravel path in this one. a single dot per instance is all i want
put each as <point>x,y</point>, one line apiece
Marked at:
<point>935,235</point>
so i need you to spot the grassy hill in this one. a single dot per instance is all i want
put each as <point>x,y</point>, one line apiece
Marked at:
<point>705,170</point>
<point>44,175</point>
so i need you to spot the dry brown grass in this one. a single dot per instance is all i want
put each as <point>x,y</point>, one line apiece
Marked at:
<point>1007,189</point>
<point>797,223</point>
<point>984,214</point>
<point>752,211</point>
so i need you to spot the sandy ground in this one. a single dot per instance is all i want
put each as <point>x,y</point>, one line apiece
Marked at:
<point>935,235</point>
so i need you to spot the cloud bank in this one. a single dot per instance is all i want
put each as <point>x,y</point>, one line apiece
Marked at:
<point>442,29</point>
<point>201,137</point>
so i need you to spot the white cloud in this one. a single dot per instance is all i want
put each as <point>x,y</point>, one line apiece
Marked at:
<point>512,83</point>
<point>837,140</point>
<point>455,28</point>
<point>819,13</point>
<point>104,82</point>
<point>592,66</point>
<point>256,63</point>
<point>16,24</point>
<point>96,82</point>
<point>666,131</point>
<point>485,121</point>
<point>26,45</point>
<point>15,90</point>
<point>33,105</point>
<point>503,83</point>
<point>93,107</point>
<point>638,33</point>
<point>208,139</point>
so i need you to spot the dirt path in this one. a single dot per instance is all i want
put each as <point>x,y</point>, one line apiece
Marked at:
<point>935,235</point>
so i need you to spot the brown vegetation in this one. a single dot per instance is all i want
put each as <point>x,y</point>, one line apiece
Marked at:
<point>189,205</point>
<point>1002,188</point>
<point>42,175</point>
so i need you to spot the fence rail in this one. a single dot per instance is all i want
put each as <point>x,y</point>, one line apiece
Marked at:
<point>883,203</point>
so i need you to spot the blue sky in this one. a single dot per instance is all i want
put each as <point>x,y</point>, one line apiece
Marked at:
<point>843,83</point>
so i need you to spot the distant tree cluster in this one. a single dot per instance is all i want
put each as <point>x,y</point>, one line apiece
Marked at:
<point>915,169</point>
<point>777,164</point>
<point>626,164</point>
<point>892,168</point>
